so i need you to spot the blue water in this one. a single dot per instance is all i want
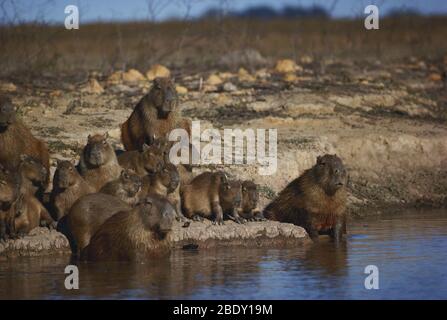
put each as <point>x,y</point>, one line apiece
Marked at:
<point>409,249</point>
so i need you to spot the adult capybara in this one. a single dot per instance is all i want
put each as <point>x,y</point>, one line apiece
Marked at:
<point>137,234</point>
<point>154,116</point>
<point>98,164</point>
<point>316,200</point>
<point>210,195</point>
<point>127,187</point>
<point>148,161</point>
<point>250,198</point>
<point>16,139</point>
<point>26,214</point>
<point>68,186</point>
<point>85,217</point>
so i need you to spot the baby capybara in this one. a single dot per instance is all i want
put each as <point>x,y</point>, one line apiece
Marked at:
<point>17,140</point>
<point>250,198</point>
<point>148,161</point>
<point>68,186</point>
<point>8,193</point>
<point>210,195</point>
<point>132,235</point>
<point>31,176</point>
<point>154,116</point>
<point>98,164</point>
<point>85,217</point>
<point>316,200</point>
<point>127,187</point>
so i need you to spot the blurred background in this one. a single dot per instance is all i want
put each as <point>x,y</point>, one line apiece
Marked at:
<point>196,35</point>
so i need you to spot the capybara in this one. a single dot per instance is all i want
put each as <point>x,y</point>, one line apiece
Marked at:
<point>150,160</point>
<point>26,214</point>
<point>8,194</point>
<point>316,200</point>
<point>132,235</point>
<point>16,139</point>
<point>31,176</point>
<point>86,215</point>
<point>154,116</point>
<point>127,187</point>
<point>98,164</point>
<point>250,198</point>
<point>68,186</point>
<point>210,195</point>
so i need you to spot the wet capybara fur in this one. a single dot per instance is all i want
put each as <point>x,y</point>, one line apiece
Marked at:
<point>210,195</point>
<point>154,116</point>
<point>316,200</point>
<point>98,164</point>
<point>17,140</point>
<point>132,235</point>
<point>250,197</point>
<point>68,186</point>
<point>26,214</point>
<point>149,160</point>
<point>127,187</point>
<point>85,217</point>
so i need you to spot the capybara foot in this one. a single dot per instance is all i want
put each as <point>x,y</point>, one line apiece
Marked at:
<point>218,222</point>
<point>197,218</point>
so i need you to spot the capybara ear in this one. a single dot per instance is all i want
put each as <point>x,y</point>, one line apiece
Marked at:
<point>319,159</point>
<point>89,137</point>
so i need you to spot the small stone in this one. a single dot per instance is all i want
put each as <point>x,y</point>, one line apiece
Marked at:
<point>229,87</point>
<point>244,76</point>
<point>213,80</point>
<point>132,76</point>
<point>290,77</point>
<point>287,66</point>
<point>435,77</point>
<point>181,89</point>
<point>93,87</point>
<point>157,71</point>
<point>8,87</point>
<point>115,78</point>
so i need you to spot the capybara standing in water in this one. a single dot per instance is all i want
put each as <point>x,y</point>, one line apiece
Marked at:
<point>26,214</point>
<point>98,164</point>
<point>133,235</point>
<point>85,217</point>
<point>148,161</point>
<point>127,187</point>
<point>210,195</point>
<point>68,186</point>
<point>16,139</point>
<point>316,200</point>
<point>154,116</point>
<point>250,198</point>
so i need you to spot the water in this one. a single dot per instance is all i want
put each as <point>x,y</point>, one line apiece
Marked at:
<point>409,249</point>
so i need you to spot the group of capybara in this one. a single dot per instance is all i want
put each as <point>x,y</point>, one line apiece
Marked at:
<point>116,205</point>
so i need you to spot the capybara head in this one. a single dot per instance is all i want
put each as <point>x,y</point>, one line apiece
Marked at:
<point>230,194</point>
<point>157,214</point>
<point>330,173</point>
<point>7,112</point>
<point>98,151</point>
<point>250,195</point>
<point>33,170</point>
<point>169,177</point>
<point>163,96</point>
<point>130,182</point>
<point>66,175</point>
<point>153,158</point>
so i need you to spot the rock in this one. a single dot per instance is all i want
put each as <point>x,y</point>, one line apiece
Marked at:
<point>181,89</point>
<point>133,76</point>
<point>244,76</point>
<point>252,234</point>
<point>115,78</point>
<point>287,66</point>
<point>7,87</point>
<point>226,75</point>
<point>229,87</point>
<point>435,77</point>
<point>157,70</point>
<point>213,80</point>
<point>262,73</point>
<point>92,86</point>
<point>290,77</point>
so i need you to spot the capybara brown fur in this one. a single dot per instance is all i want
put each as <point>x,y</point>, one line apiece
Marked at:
<point>148,161</point>
<point>210,195</point>
<point>316,200</point>
<point>98,164</point>
<point>8,193</point>
<point>32,176</point>
<point>68,186</point>
<point>250,197</point>
<point>17,140</point>
<point>85,217</point>
<point>127,187</point>
<point>26,214</point>
<point>135,235</point>
<point>154,116</point>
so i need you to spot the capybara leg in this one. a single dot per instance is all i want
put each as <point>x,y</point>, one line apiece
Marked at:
<point>197,217</point>
<point>258,215</point>
<point>337,230</point>
<point>236,217</point>
<point>46,218</point>
<point>218,213</point>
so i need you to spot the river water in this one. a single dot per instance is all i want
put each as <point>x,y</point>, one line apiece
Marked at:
<point>409,249</point>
